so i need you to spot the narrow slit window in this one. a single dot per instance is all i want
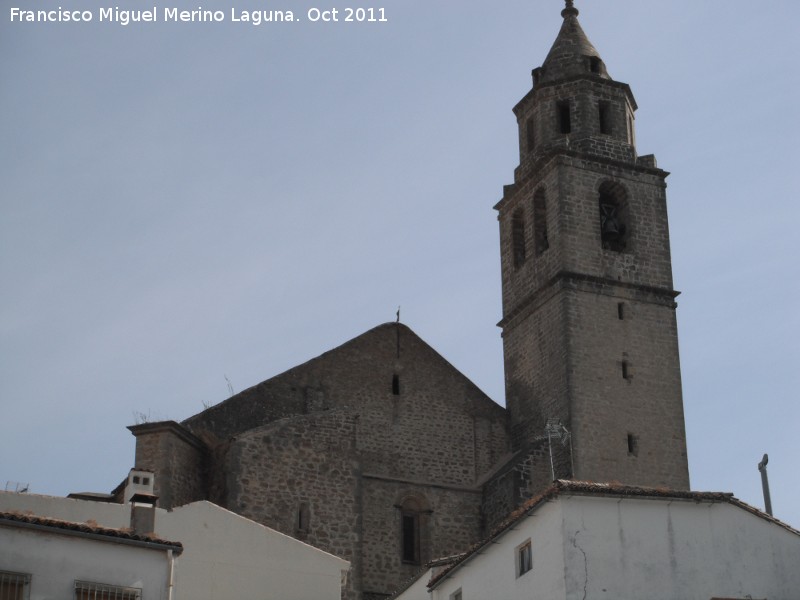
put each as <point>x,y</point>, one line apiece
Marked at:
<point>396,384</point>
<point>410,537</point>
<point>303,517</point>
<point>530,134</point>
<point>540,239</point>
<point>564,121</point>
<point>621,310</point>
<point>632,445</point>
<point>626,370</point>
<point>524,558</point>
<point>605,118</point>
<point>518,238</point>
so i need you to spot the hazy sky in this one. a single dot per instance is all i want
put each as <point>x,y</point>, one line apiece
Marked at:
<point>182,203</point>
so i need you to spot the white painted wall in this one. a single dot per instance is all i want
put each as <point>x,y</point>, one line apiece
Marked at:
<point>222,551</point>
<point>419,589</point>
<point>55,561</point>
<point>595,547</point>
<point>237,558</point>
<point>676,549</point>
<point>492,572</point>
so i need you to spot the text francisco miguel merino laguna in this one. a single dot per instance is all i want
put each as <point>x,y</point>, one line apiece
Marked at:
<point>199,15</point>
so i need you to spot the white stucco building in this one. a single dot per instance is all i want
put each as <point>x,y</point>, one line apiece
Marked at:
<point>584,541</point>
<point>49,558</point>
<point>224,555</point>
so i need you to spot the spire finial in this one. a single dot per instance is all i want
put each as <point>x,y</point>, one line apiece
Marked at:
<point>570,9</point>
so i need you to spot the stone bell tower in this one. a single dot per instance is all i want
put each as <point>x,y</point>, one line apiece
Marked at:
<point>589,330</point>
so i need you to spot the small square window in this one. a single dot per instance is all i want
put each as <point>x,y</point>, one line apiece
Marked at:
<point>14,586</point>
<point>524,558</point>
<point>136,479</point>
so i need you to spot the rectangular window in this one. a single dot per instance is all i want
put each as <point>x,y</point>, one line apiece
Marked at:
<point>605,118</point>
<point>540,240</point>
<point>564,122</point>
<point>621,310</point>
<point>410,536</point>
<point>633,446</point>
<point>14,586</point>
<point>530,134</point>
<point>518,238</point>
<point>626,370</point>
<point>524,558</point>
<point>456,595</point>
<point>87,590</point>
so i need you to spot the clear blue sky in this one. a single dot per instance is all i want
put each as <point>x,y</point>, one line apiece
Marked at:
<point>186,202</point>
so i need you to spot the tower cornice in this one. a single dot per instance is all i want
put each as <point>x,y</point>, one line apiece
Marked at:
<point>599,285</point>
<point>541,163</point>
<point>527,98</point>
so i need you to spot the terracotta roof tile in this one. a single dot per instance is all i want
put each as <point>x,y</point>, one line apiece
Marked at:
<point>564,486</point>
<point>90,527</point>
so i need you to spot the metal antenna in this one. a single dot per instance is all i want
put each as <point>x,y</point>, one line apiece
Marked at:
<point>762,467</point>
<point>555,429</point>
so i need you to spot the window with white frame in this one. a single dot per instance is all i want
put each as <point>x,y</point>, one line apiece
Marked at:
<point>14,586</point>
<point>456,595</point>
<point>524,558</point>
<point>87,590</point>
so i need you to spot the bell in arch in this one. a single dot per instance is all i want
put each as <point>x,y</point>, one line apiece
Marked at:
<point>610,227</point>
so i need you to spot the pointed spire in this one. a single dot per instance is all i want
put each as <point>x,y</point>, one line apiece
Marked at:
<point>572,52</point>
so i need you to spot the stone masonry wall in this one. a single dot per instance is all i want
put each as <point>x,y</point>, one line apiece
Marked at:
<point>406,394</point>
<point>645,402</point>
<point>527,474</point>
<point>308,464</point>
<point>449,524</point>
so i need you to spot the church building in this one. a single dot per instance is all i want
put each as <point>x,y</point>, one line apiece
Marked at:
<point>382,453</point>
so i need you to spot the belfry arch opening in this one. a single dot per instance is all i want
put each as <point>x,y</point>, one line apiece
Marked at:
<point>615,228</point>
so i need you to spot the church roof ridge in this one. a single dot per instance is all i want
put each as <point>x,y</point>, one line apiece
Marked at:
<point>261,393</point>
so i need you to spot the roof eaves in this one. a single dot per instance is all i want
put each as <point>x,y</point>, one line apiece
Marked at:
<point>16,519</point>
<point>590,488</point>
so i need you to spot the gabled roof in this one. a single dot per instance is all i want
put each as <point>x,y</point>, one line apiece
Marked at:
<point>564,487</point>
<point>91,530</point>
<point>282,395</point>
